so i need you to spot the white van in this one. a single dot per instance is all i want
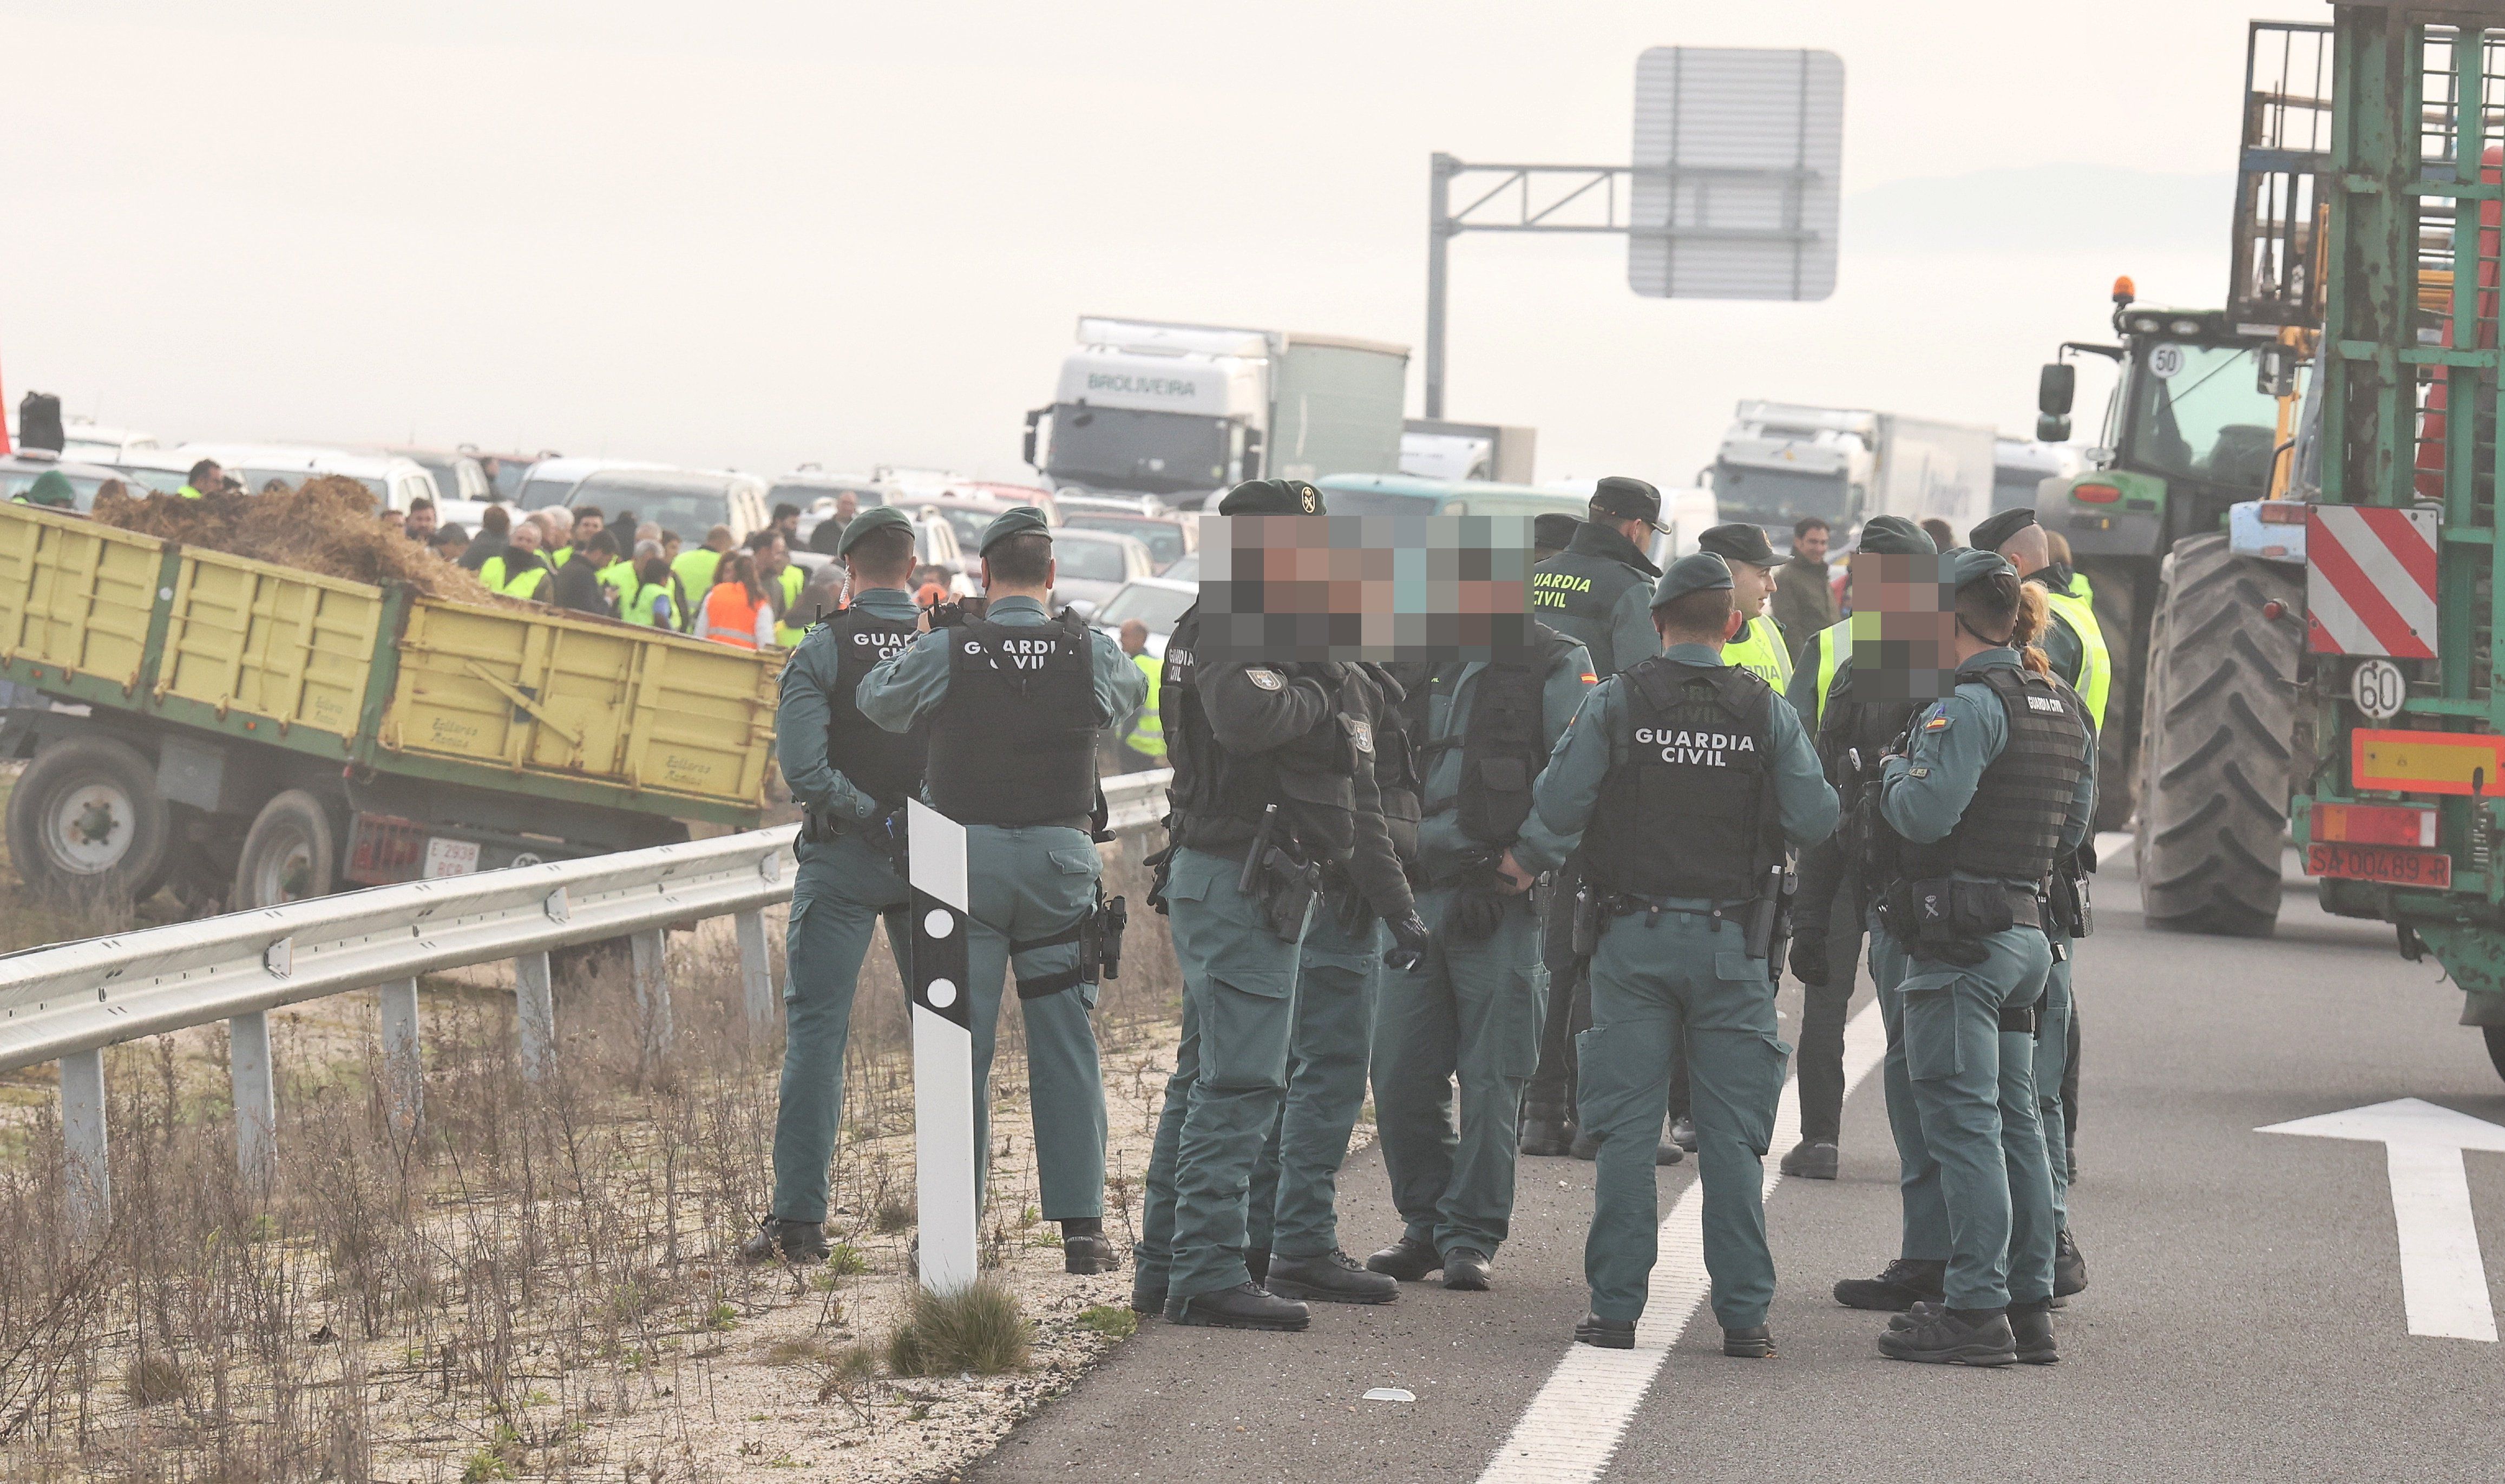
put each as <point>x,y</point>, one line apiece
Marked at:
<point>395,481</point>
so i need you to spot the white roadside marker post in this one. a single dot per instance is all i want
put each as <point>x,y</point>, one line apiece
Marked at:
<point>943,1050</point>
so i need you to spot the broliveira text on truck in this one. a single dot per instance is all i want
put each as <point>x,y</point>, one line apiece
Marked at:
<point>1182,410</point>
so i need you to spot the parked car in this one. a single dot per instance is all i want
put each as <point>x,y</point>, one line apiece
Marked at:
<point>552,481</point>
<point>84,437</point>
<point>506,472</point>
<point>1169,537</point>
<point>1159,602</point>
<point>935,545</point>
<point>395,481</point>
<point>19,471</point>
<point>968,517</point>
<point>1091,566</point>
<point>939,484</point>
<point>457,474</point>
<point>815,492</point>
<point>1186,571</point>
<point>688,502</point>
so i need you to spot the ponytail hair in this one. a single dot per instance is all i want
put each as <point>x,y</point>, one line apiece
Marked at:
<point>2034,615</point>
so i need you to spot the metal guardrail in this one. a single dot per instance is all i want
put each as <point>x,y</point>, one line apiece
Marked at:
<point>68,1002</point>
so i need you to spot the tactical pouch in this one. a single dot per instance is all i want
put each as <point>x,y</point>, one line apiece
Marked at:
<point>1588,912</point>
<point>1946,919</point>
<point>1285,891</point>
<point>1113,919</point>
<point>2071,905</point>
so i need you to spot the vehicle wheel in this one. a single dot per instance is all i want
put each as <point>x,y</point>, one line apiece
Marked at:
<point>2495,1035</point>
<point>2122,592</point>
<point>87,824</point>
<point>2216,741</point>
<point>291,853</point>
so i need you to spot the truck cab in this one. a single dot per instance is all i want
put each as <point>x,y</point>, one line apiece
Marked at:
<point>1779,462</point>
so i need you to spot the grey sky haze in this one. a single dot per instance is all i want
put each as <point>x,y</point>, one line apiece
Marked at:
<point>754,234</point>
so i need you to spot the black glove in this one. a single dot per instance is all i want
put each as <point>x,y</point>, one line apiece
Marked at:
<point>1408,944</point>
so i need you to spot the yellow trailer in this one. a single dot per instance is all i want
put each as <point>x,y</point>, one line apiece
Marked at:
<point>258,733</point>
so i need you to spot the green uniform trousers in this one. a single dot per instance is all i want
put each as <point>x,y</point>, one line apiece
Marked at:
<point>2052,1065</point>
<point>842,889</point>
<point>1293,1208</point>
<point>1668,985</point>
<point>1239,1011</point>
<point>1465,1020</point>
<point>1972,1149</point>
<point>1030,882</point>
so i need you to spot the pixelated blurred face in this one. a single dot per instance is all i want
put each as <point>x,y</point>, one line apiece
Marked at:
<point>1374,587</point>
<point>1904,629</point>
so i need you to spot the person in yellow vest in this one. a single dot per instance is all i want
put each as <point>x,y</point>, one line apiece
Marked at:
<point>696,569</point>
<point>654,600</point>
<point>619,577</point>
<point>2076,643</point>
<point>738,610</point>
<point>205,475</point>
<point>583,522</point>
<point>782,581</point>
<point>1760,644</point>
<point>519,571</point>
<point>1144,738</point>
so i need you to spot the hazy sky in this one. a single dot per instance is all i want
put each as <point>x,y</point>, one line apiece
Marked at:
<point>752,235</point>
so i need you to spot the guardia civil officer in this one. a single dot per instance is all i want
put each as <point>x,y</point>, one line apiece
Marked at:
<point>1273,791</point>
<point>1598,593</point>
<point>1340,976</point>
<point>1853,730</point>
<point>1991,786</point>
<point>2075,644</point>
<point>1469,1016</point>
<point>1013,702</point>
<point>850,778</point>
<point>1686,779</point>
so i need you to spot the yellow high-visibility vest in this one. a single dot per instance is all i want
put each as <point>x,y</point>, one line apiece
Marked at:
<point>2096,661</point>
<point>1834,648</point>
<point>1760,648</point>
<point>1147,735</point>
<point>790,629</point>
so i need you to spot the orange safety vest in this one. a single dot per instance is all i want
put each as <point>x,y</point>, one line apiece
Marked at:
<point>730,615</point>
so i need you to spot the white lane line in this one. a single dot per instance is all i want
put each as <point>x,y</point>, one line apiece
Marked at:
<point>1572,1427</point>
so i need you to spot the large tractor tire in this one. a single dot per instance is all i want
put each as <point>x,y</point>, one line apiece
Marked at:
<point>2216,740</point>
<point>88,827</point>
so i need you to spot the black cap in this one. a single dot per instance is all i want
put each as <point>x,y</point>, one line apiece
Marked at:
<point>1553,531</point>
<point>1989,534</point>
<point>1272,497</point>
<point>1895,535</point>
<point>1627,499</point>
<point>1738,541</point>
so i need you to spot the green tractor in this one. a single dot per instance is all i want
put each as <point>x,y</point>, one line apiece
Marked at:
<point>2185,530</point>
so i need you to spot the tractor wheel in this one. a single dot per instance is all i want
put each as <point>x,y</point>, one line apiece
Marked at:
<point>88,827</point>
<point>291,853</point>
<point>2216,741</point>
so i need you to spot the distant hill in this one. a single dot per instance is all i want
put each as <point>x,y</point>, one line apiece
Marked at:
<point>2043,209</point>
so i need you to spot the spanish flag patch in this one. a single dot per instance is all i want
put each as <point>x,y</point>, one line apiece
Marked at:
<point>1591,678</point>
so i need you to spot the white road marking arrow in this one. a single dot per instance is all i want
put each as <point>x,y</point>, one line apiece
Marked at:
<point>2444,1285</point>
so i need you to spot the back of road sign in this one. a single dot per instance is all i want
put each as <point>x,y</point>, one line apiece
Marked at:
<point>1738,173</point>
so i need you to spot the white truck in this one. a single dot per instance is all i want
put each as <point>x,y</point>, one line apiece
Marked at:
<point>1183,410</point>
<point>1780,462</point>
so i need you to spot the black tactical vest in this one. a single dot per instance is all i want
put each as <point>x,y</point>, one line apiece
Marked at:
<point>1398,734</point>
<point>1219,795</point>
<point>1013,742</point>
<point>1847,727</point>
<point>1505,744</point>
<point>2011,830</point>
<point>1690,811</point>
<point>884,764</point>
<point>1576,591</point>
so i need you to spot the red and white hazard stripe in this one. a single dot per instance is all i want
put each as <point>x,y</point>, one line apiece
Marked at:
<point>2370,580</point>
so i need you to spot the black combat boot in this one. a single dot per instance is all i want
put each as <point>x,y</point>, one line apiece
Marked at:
<point>1586,1146</point>
<point>2069,1267</point>
<point>1750,1344</point>
<point>1147,1295</point>
<point>1668,1154</point>
<point>1244,1306</point>
<point>1811,1161</point>
<point>1953,1337</point>
<point>1547,1138</point>
<point>1332,1278</point>
<point>1467,1269</point>
<point>1408,1260</point>
<point>1257,1261</point>
<point>1607,1334</point>
<point>1084,1248</point>
<point>790,1241</point>
<point>1905,1281</point>
<point>1683,1132</point>
<point>2032,1327</point>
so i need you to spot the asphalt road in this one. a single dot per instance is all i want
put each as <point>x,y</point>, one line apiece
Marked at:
<point>2245,1320</point>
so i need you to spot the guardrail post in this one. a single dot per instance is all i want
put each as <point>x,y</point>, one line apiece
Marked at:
<point>256,1093</point>
<point>756,973</point>
<point>83,1145</point>
<point>652,991</point>
<point>403,1067</point>
<point>535,1011</point>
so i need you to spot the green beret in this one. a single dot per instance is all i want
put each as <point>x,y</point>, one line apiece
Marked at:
<point>51,487</point>
<point>1016,520</point>
<point>1960,565</point>
<point>1691,574</point>
<point>1895,535</point>
<point>1738,541</point>
<point>1990,534</point>
<point>1272,497</point>
<point>878,517</point>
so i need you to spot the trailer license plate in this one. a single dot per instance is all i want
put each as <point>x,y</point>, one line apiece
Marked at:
<point>2378,863</point>
<point>451,857</point>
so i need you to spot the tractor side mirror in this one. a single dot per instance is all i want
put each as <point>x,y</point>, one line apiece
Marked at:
<point>2275,372</point>
<point>2052,430</point>
<point>2055,388</point>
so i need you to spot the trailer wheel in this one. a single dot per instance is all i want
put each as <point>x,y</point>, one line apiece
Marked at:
<point>2216,741</point>
<point>291,853</point>
<point>87,824</point>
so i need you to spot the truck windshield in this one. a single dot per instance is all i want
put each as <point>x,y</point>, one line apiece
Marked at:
<point>1154,452</point>
<point>1775,498</point>
<point>2194,415</point>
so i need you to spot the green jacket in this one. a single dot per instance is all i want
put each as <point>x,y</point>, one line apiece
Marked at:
<point>1451,691</point>
<point>903,689</point>
<point>1598,593</point>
